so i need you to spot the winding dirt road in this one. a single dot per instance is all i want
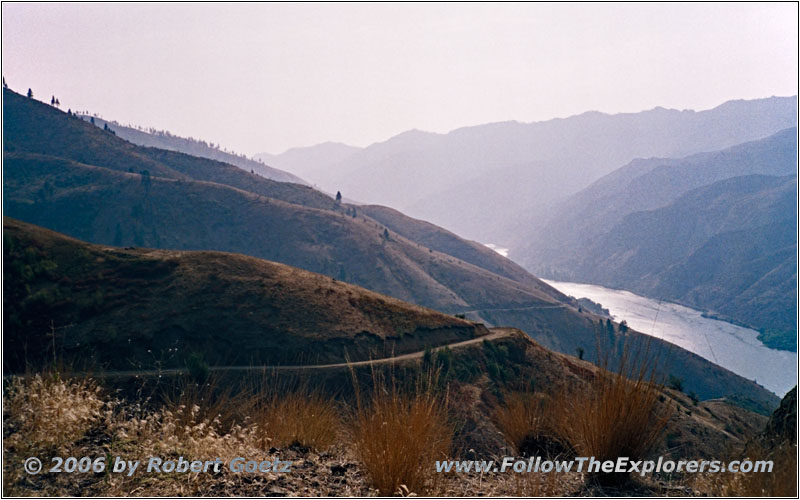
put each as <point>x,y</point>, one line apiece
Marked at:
<point>496,333</point>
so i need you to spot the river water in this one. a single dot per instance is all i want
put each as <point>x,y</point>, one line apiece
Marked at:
<point>733,347</point>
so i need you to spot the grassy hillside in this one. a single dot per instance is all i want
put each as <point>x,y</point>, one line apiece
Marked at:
<point>123,209</point>
<point>469,408</point>
<point>200,149</point>
<point>167,299</point>
<point>34,127</point>
<point>223,208</point>
<point>132,308</point>
<point>444,241</point>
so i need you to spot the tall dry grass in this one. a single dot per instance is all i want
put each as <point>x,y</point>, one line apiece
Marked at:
<point>213,401</point>
<point>46,415</point>
<point>619,413</point>
<point>47,412</point>
<point>298,417</point>
<point>398,433</point>
<point>528,423</point>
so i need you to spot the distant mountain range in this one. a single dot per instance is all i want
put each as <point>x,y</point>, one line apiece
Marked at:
<point>314,162</point>
<point>202,149</point>
<point>477,181</point>
<point>62,173</point>
<point>529,187</point>
<point>716,231</point>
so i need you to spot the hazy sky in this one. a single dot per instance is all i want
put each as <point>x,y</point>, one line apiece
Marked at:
<point>258,77</point>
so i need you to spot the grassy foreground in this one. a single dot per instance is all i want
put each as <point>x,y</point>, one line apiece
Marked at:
<point>380,438</point>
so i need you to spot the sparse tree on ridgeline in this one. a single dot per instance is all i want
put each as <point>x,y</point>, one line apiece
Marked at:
<point>338,196</point>
<point>30,94</point>
<point>5,85</point>
<point>610,327</point>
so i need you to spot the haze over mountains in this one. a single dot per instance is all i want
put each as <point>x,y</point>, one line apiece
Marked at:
<point>70,176</point>
<point>202,149</point>
<point>716,231</point>
<point>529,188</point>
<point>473,179</point>
<point>319,162</point>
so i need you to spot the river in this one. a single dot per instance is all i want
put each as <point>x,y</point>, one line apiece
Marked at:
<point>733,347</point>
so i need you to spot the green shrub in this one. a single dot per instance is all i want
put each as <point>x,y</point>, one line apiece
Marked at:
<point>198,368</point>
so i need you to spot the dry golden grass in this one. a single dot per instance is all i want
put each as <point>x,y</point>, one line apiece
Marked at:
<point>48,412</point>
<point>781,482</point>
<point>618,414</point>
<point>215,402</point>
<point>45,414</point>
<point>300,417</point>
<point>180,431</point>
<point>520,417</point>
<point>399,432</point>
<point>172,432</point>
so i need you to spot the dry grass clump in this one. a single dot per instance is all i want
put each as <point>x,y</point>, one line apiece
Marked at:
<point>47,412</point>
<point>781,482</point>
<point>301,417</point>
<point>527,422</point>
<point>399,432</point>
<point>618,414</point>
<point>215,402</point>
<point>181,431</point>
<point>45,415</point>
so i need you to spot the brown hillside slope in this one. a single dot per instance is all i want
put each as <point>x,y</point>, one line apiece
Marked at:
<point>95,295</point>
<point>129,308</point>
<point>118,208</point>
<point>444,241</point>
<point>35,127</point>
<point>109,205</point>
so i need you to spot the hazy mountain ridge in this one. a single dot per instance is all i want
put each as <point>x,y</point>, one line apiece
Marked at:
<point>109,207</point>
<point>643,184</point>
<point>208,211</point>
<point>416,172</point>
<point>114,206</point>
<point>690,230</point>
<point>746,269</point>
<point>34,127</point>
<point>195,148</point>
<point>315,162</point>
<point>444,241</point>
